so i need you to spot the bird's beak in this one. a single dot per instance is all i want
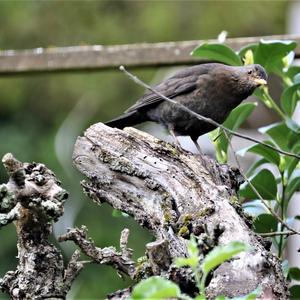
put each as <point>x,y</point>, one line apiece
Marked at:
<point>260,81</point>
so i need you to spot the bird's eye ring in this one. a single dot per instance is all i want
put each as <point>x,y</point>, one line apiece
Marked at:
<point>250,72</point>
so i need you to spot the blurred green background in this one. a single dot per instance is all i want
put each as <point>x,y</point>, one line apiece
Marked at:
<point>41,115</point>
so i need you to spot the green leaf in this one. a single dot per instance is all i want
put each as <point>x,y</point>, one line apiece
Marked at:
<point>290,163</point>
<point>262,94</point>
<point>189,261</point>
<point>248,58</point>
<point>155,287</point>
<point>193,252</point>
<point>193,247</point>
<point>289,98</point>
<point>271,54</point>
<point>292,186</point>
<point>254,208</point>
<point>280,134</point>
<point>254,166</point>
<point>116,213</point>
<point>294,292</point>
<point>265,223</point>
<point>217,52</point>
<point>296,78</point>
<point>292,71</point>
<point>265,184</point>
<point>291,124</point>
<point>270,155</point>
<point>294,273</point>
<point>244,50</point>
<point>239,115</point>
<point>222,253</point>
<point>234,120</point>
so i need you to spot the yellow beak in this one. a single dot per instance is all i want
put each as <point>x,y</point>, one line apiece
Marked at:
<point>260,81</point>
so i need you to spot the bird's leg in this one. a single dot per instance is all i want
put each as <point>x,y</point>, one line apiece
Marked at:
<point>197,145</point>
<point>204,162</point>
<point>171,130</point>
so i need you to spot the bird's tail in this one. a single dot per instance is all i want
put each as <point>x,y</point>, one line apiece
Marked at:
<point>127,119</point>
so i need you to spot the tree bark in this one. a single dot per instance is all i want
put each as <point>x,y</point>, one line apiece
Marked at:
<point>174,194</point>
<point>33,199</point>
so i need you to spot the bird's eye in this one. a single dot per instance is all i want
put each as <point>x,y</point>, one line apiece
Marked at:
<point>250,72</point>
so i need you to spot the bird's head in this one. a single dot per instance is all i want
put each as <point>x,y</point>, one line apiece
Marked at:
<point>248,78</point>
<point>255,75</point>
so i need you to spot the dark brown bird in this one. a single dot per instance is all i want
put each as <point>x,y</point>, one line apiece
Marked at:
<point>212,90</point>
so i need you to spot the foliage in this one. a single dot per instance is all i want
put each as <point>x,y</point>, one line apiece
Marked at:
<point>160,288</point>
<point>237,117</point>
<point>213,259</point>
<point>275,177</point>
<point>155,287</point>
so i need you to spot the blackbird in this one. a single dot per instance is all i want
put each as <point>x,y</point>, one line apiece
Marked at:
<point>212,90</point>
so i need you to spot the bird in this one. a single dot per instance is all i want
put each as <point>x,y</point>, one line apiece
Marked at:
<point>212,90</point>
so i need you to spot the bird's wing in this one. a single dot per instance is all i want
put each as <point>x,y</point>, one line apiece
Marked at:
<point>170,88</point>
<point>183,82</point>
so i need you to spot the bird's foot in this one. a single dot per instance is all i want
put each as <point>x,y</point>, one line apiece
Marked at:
<point>178,147</point>
<point>177,144</point>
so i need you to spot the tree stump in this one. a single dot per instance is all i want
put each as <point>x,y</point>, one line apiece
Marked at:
<point>174,194</point>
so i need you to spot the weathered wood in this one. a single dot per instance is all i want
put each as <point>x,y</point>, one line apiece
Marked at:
<point>98,57</point>
<point>174,194</point>
<point>122,260</point>
<point>33,199</point>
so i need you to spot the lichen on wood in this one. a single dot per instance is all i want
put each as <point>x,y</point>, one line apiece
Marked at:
<point>174,194</point>
<point>33,199</point>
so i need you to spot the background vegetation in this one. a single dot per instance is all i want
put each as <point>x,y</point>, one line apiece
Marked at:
<point>41,115</point>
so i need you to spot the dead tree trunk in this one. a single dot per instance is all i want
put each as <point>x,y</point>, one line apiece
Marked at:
<point>175,194</point>
<point>33,199</point>
<point>171,193</point>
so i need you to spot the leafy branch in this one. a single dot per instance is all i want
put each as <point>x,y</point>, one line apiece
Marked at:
<point>274,188</point>
<point>157,287</point>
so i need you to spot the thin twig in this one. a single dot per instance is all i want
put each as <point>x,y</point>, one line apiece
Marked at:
<point>282,211</point>
<point>208,120</point>
<point>277,233</point>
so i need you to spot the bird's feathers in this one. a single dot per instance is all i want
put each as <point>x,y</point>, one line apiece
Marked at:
<point>125,120</point>
<point>183,82</point>
<point>170,88</point>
